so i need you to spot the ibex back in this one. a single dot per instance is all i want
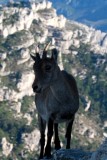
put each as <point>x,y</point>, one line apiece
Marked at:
<point>56,99</point>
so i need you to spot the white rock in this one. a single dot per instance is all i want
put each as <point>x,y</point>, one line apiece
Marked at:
<point>48,4</point>
<point>74,52</point>
<point>28,20</point>
<point>3,64</point>
<point>65,45</point>
<point>4,73</point>
<point>1,18</point>
<point>76,43</point>
<point>5,32</point>
<point>76,34</point>
<point>10,95</point>
<point>6,147</point>
<point>105,124</point>
<point>24,55</point>
<point>82,74</point>
<point>83,129</point>
<point>97,36</point>
<point>67,35</point>
<point>44,4</point>
<point>94,78</point>
<point>106,69</point>
<point>92,134</point>
<point>85,34</point>
<point>88,104</point>
<point>105,134</point>
<point>60,61</point>
<point>28,117</point>
<point>31,140</point>
<point>25,84</point>
<point>88,128</point>
<point>74,72</point>
<point>11,29</point>
<point>3,56</point>
<point>1,28</point>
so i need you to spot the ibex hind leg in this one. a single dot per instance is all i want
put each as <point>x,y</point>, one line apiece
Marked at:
<point>42,127</point>
<point>56,141</point>
<point>68,131</point>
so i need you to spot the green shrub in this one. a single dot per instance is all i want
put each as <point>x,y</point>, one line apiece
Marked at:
<point>26,103</point>
<point>11,20</point>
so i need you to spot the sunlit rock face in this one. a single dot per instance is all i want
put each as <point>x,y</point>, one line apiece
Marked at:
<point>25,84</point>
<point>22,18</point>
<point>6,147</point>
<point>31,140</point>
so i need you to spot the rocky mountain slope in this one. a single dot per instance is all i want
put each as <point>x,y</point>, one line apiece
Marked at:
<point>92,13</point>
<point>82,52</point>
<point>100,154</point>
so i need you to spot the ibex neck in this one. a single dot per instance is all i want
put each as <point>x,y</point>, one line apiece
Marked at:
<point>61,90</point>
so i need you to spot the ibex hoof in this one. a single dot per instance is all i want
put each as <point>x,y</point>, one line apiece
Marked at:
<point>57,147</point>
<point>40,157</point>
<point>47,157</point>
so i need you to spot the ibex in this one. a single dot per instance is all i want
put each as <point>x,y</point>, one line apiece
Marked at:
<point>56,99</point>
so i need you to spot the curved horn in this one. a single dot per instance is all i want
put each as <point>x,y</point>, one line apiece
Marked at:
<point>37,49</point>
<point>47,46</point>
<point>45,49</point>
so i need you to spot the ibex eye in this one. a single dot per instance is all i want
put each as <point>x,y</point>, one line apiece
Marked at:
<point>47,67</point>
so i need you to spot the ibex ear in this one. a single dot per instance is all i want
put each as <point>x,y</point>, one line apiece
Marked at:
<point>54,54</point>
<point>37,57</point>
<point>33,57</point>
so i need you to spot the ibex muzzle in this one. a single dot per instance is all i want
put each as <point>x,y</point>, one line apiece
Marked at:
<point>57,99</point>
<point>36,87</point>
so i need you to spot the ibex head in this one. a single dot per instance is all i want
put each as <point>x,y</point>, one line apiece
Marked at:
<point>46,69</point>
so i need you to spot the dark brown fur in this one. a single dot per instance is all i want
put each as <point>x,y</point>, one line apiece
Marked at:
<point>56,99</point>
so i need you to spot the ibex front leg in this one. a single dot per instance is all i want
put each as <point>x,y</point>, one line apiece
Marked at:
<point>68,132</point>
<point>42,126</point>
<point>49,137</point>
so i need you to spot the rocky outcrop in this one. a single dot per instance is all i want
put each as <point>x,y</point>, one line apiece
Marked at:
<point>71,154</point>
<point>31,140</point>
<point>6,147</point>
<point>101,153</point>
<point>25,85</point>
<point>72,33</point>
<point>78,154</point>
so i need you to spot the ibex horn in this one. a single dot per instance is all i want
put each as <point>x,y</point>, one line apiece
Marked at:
<point>47,46</point>
<point>37,49</point>
<point>45,50</point>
